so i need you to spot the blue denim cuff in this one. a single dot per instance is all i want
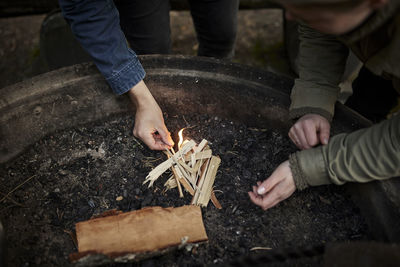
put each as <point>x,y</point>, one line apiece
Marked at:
<point>130,75</point>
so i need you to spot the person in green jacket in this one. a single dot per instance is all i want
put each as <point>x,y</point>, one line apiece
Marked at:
<point>328,28</point>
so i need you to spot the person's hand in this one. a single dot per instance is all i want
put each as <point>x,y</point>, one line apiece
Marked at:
<point>149,121</point>
<point>279,186</point>
<point>310,130</point>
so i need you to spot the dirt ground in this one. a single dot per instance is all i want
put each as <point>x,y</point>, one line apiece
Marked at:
<point>74,174</point>
<point>259,41</point>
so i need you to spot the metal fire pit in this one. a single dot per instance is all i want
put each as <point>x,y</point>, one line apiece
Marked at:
<point>77,95</point>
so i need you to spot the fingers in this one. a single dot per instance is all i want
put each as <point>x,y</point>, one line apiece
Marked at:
<point>166,136</point>
<point>255,198</point>
<point>324,131</point>
<point>151,129</point>
<point>267,201</point>
<point>280,192</point>
<point>300,133</point>
<point>310,130</point>
<point>268,184</point>
<point>294,137</point>
<point>305,135</point>
<point>298,137</point>
<point>152,141</point>
<point>279,186</point>
<point>255,190</point>
<point>151,137</point>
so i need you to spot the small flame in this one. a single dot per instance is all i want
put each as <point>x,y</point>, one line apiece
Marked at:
<point>180,138</point>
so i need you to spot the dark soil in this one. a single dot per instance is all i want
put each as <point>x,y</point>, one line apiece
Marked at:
<point>80,172</point>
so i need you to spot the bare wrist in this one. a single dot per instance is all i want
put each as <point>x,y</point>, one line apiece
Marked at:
<point>140,94</point>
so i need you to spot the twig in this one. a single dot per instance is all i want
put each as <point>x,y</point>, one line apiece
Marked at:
<point>138,143</point>
<point>185,120</point>
<point>260,248</point>
<point>16,188</point>
<point>258,129</point>
<point>72,235</point>
<point>12,200</point>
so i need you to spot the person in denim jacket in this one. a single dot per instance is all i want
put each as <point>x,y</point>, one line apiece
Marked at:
<point>104,28</point>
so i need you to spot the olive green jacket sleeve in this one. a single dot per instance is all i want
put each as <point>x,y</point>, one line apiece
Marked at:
<point>361,156</point>
<point>322,59</point>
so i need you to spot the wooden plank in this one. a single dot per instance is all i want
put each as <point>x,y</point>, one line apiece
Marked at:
<point>201,146</point>
<point>201,163</point>
<point>203,171</point>
<point>201,155</point>
<point>193,165</point>
<point>192,160</point>
<point>206,189</point>
<point>185,149</point>
<point>144,230</point>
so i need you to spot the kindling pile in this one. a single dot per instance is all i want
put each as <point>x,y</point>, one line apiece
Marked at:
<point>194,168</point>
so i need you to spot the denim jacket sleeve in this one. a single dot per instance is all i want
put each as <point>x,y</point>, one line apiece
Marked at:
<point>96,26</point>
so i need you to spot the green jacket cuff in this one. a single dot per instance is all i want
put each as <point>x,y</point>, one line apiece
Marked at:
<point>312,97</point>
<point>298,175</point>
<point>299,112</point>
<point>308,168</point>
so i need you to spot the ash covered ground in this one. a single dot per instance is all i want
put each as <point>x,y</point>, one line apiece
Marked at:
<point>76,173</point>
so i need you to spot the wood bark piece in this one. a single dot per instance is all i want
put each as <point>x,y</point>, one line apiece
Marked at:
<point>141,231</point>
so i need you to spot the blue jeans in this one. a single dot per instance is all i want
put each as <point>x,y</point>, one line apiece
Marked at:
<point>146,25</point>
